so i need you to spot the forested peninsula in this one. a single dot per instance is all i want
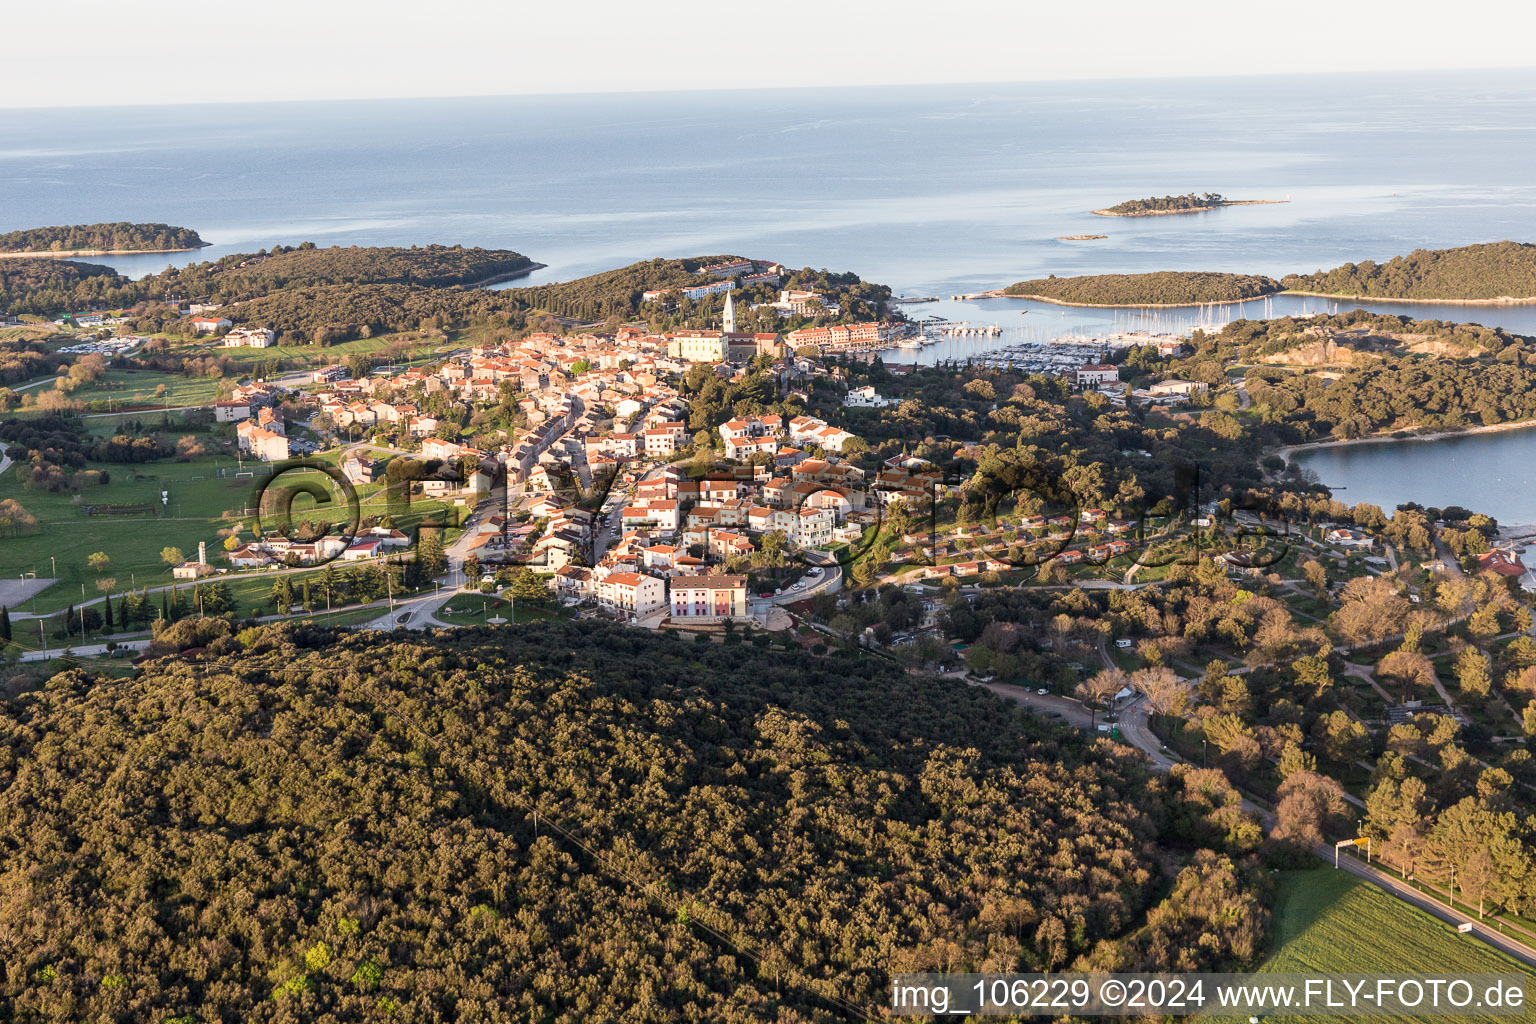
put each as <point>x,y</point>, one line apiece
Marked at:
<point>100,239</point>
<point>1160,288</point>
<point>1487,272</point>
<point>340,824</point>
<point>320,296</point>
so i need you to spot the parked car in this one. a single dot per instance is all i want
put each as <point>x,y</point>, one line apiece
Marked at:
<point>1042,691</point>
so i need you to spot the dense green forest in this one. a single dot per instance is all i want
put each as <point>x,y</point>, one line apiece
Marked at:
<point>47,287</point>
<point>311,295</point>
<point>1488,271</point>
<point>1165,287</point>
<point>292,277</point>
<point>1361,332</point>
<point>1483,376</point>
<point>617,294</point>
<point>1190,202</point>
<point>107,237</point>
<point>305,824</point>
<point>307,266</point>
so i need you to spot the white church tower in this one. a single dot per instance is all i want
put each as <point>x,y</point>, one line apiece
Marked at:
<point>728,323</point>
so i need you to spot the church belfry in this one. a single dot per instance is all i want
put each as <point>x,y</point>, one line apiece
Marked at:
<point>728,324</point>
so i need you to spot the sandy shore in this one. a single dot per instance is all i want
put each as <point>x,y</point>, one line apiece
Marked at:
<point>1505,300</point>
<point>69,254</point>
<point>1289,450</point>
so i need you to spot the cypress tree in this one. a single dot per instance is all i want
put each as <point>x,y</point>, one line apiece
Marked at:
<point>307,605</point>
<point>69,615</point>
<point>5,623</point>
<point>107,624</point>
<point>165,608</point>
<point>123,608</point>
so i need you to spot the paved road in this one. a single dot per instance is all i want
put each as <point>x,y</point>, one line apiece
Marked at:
<point>417,613</point>
<point>84,650</point>
<point>829,582</point>
<point>1501,941</point>
<point>1136,731</point>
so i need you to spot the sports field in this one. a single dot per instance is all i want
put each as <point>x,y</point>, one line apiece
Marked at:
<point>1332,922</point>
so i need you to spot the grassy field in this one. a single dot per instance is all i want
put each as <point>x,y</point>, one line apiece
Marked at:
<point>416,348</point>
<point>198,497</point>
<point>1332,922</point>
<point>200,492</point>
<point>473,610</point>
<point>138,387</point>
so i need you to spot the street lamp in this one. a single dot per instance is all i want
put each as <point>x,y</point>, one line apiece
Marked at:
<point>1202,752</point>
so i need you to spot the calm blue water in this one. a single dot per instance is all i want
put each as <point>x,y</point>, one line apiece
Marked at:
<point>1491,473</point>
<point>935,190</point>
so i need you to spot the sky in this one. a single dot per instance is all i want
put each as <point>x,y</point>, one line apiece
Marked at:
<point>93,52</point>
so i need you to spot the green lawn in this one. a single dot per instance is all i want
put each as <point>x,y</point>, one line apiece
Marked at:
<point>1330,921</point>
<point>473,610</point>
<point>418,348</point>
<point>138,388</point>
<point>199,497</point>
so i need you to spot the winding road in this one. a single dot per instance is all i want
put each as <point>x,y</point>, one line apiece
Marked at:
<point>1136,731</point>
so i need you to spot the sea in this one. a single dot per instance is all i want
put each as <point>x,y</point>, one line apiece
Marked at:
<point>938,191</point>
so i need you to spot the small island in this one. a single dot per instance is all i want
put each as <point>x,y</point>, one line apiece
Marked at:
<point>116,239</point>
<point>1078,238</point>
<point>1160,288</point>
<point>1191,202</point>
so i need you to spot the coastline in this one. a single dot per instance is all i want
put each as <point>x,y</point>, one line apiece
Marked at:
<point>999,293</point>
<point>69,254</point>
<point>1287,451</point>
<point>511,275</point>
<point>1194,209</point>
<point>1503,300</point>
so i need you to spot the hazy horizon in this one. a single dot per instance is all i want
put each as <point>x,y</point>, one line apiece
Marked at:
<point>346,50</point>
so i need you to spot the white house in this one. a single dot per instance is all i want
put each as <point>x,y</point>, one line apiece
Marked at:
<point>250,337</point>
<point>865,397</point>
<point>209,324</point>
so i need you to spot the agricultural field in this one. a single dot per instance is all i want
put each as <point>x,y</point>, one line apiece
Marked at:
<point>1332,922</point>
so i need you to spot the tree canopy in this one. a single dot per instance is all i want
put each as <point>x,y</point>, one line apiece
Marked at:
<point>1164,287</point>
<point>334,823</point>
<point>106,237</point>
<point>1489,270</point>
